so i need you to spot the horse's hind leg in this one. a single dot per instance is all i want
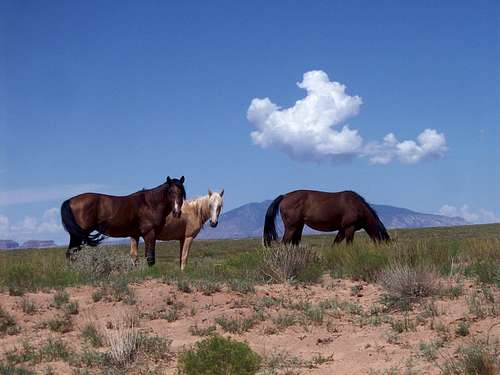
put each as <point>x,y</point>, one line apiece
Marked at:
<point>297,235</point>
<point>349,235</point>
<point>287,236</point>
<point>339,237</point>
<point>74,245</point>
<point>134,245</point>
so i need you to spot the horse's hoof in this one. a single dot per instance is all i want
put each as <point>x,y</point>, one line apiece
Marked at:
<point>151,262</point>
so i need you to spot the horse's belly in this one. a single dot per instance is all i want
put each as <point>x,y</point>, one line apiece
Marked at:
<point>323,221</point>
<point>117,232</point>
<point>322,226</point>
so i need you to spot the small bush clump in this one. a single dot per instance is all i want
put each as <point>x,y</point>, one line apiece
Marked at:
<point>99,262</point>
<point>155,346</point>
<point>28,306</point>
<point>60,298</point>
<point>92,335</point>
<point>71,308</point>
<point>219,355</point>
<point>8,324</point>
<point>283,263</point>
<point>123,341</point>
<point>61,324</point>
<point>476,359</point>
<point>407,283</point>
<point>236,324</point>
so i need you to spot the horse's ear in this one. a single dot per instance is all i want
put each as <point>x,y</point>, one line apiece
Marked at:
<point>222,192</point>
<point>209,192</point>
<point>169,180</point>
<point>182,179</point>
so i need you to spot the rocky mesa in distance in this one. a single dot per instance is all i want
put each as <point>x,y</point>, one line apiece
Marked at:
<point>248,221</point>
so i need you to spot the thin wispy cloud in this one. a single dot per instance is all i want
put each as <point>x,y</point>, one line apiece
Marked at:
<point>44,194</point>
<point>482,216</point>
<point>315,128</point>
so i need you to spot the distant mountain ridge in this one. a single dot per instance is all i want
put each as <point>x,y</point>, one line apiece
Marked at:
<point>30,244</point>
<point>248,221</point>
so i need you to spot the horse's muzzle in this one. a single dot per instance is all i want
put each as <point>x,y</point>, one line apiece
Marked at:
<point>177,214</point>
<point>213,225</point>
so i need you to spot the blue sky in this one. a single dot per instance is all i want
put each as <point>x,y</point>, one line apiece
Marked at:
<point>115,96</point>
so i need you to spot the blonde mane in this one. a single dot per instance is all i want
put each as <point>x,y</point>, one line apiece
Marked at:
<point>200,207</point>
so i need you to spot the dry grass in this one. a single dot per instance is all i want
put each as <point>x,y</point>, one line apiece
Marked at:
<point>283,263</point>
<point>123,340</point>
<point>408,283</point>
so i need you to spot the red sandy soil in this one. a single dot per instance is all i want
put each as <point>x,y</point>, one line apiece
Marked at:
<point>346,347</point>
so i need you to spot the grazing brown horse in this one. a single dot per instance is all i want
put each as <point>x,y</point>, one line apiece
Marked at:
<point>345,211</point>
<point>141,214</point>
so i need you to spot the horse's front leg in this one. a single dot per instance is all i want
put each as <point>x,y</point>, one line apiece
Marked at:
<point>134,244</point>
<point>185,251</point>
<point>150,242</point>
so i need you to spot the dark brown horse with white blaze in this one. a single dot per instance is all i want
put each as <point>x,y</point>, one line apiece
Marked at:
<point>141,214</point>
<point>345,212</point>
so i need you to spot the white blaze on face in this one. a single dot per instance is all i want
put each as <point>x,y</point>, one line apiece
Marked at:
<point>215,206</point>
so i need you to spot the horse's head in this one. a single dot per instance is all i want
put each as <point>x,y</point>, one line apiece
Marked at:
<point>215,202</point>
<point>176,194</point>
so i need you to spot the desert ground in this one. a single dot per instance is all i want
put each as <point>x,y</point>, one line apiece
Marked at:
<point>428,303</point>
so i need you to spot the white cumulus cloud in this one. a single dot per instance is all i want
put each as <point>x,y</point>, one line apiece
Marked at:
<point>314,127</point>
<point>30,227</point>
<point>480,217</point>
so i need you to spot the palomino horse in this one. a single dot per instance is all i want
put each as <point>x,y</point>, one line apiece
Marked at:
<point>141,214</point>
<point>345,211</point>
<point>195,214</point>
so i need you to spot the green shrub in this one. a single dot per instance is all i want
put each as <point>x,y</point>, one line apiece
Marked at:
<point>218,355</point>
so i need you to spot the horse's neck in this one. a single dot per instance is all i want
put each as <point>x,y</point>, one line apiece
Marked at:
<point>202,209</point>
<point>157,196</point>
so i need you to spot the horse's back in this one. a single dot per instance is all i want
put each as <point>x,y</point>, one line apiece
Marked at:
<point>319,209</point>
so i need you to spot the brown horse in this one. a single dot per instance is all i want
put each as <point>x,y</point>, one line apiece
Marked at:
<point>345,211</point>
<point>141,214</point>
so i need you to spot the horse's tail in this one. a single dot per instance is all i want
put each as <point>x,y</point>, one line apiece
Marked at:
<point>75,231</point>
<point>270,233</point>
<point>375,228</point>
